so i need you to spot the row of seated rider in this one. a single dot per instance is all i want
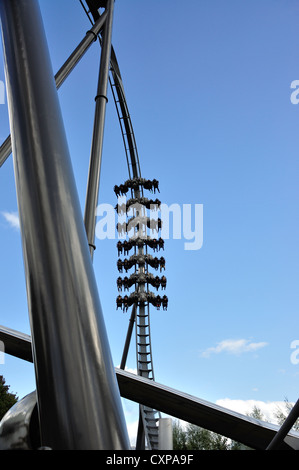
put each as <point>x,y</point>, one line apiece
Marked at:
<point>142,201</point>
<point>127,282</point>
<point>154,243</point>
<point>137,222</point>
<point>135,183</point>
<point>135,298</point>
<point>140,260</point>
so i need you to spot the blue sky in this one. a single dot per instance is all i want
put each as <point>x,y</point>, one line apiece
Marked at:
<point>208,87</point>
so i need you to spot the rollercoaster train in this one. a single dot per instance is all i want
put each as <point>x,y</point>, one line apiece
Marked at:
<point>142,235</point>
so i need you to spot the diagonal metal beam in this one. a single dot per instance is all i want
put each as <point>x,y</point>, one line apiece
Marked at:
<point>63,72</point>
<point>128,338</point>
<point>249,431</point>
<point>16,344</point>
<point>244,429</point>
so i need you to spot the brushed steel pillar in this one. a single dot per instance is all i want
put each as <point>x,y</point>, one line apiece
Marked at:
<point>98,131</point>
<point>78,396</point>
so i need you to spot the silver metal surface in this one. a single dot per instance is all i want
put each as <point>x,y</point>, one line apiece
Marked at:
<point>165,434</point>
<point>19,427</point>
<point>98,131</point>
<point>78,398</point>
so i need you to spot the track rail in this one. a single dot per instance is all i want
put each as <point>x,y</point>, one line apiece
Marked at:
<point>145,367</point>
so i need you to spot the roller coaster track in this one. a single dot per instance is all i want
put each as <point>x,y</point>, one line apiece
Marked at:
<point>148,417</point>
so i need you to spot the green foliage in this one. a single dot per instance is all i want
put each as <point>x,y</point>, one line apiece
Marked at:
<point>257,413</point>
<point>179,437</point>
<point>281,415</point>
<point>196,438</point>
<point>7,399</point>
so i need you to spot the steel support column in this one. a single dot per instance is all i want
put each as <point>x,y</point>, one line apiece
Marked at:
<point>78,397</point>
<point>98,130</point>
<point>128,338</point>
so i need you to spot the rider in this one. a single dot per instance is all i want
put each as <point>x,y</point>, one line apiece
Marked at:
<point>119,301</point>
<point>165,302</point>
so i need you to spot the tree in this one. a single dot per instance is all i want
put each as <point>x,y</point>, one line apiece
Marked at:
<point>179,436</point>
<point>197,438</point>
<point>281,415</point>
<point>7,399</point>
<point>257,413</point>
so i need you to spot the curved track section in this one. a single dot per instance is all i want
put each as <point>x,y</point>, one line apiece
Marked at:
<point>142,296</point>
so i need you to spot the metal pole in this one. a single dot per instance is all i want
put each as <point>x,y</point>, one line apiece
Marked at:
<point>5,150</point>
<point>165,434</point>
<point>285,428</point>
<point>78,396</point>
<point>128,338</point>
<point>98,131</point>
<point>63,73</point>
<point>140,439</point>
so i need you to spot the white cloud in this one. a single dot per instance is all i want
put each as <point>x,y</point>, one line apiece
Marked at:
<point>131,412</point>
<point>133,371</point>
<point>132,432</point>
<point>246,407</point>
<point>13,219</point>
<point>129,369</point>
<point>234,346</point>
